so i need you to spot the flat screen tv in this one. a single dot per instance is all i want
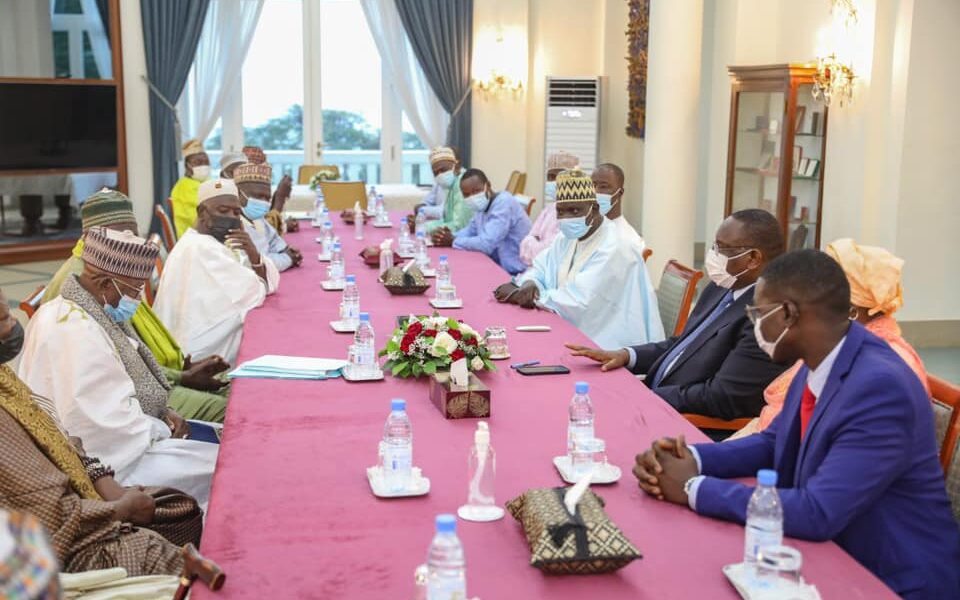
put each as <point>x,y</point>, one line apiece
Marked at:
<point>57,126</point>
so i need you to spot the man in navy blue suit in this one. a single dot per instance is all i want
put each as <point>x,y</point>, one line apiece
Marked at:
<point>854,447</point>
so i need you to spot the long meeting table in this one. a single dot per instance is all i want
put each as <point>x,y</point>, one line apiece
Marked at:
<point>292,515</point>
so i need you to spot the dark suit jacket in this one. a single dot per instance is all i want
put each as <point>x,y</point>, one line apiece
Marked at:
<point>722,373</point>
<point>866,474</point>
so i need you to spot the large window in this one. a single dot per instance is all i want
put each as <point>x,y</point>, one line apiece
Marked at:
<point>337,110</point>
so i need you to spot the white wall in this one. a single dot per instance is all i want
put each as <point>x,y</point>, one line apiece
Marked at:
<point>137,109</point>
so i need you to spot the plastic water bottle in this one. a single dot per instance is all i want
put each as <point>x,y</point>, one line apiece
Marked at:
<point>364,347</point>
<point>326,237</point>
<point>446,567</point>
<point>382,209</point>
<point>421,223</point>
<point>350,305</point>
<point>319,206</point>
<point>420,251</point>
<point>443,273</point>
<point>764,518</point>
<point>357,221</point>
<point>581,416</point>
<point>397,447</point>
<point>372,198</point>
<point>403,242</point>
<point>336,264</point>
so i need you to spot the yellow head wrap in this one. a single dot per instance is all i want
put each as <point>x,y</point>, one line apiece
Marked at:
<point>873,273</point>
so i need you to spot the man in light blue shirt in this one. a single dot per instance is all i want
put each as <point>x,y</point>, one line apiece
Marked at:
<point>253,184</point>
<point>499,224</point>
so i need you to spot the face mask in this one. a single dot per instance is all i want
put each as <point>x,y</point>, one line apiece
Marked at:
<point>716,265</point>
<point>220,226</point>
<point>606,202</point>
<point>478,202</point>
<point>12,345</point>
<point>768,347</point>
<point>573,228</point>
<point>123,311</point>
<point>201,172</point>
<point>445,179</point>
<point>256,208</point>
<point>550,191</point>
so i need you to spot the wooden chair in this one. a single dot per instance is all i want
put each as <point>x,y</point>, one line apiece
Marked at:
<point>173,215</point>
<point>704,422</point>
<point>306,172</point>
<point>526,202</point>
<point>32,302</point>
<point>647,253</point>
<point>522,183</point>
<point>946,413</point>
<point>341,195</point>
<point>678,285</point>
<point>512,182</point>
<point>166,227</point>
<point>153,284</point>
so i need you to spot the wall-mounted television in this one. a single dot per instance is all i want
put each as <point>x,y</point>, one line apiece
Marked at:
<point>45,126</point>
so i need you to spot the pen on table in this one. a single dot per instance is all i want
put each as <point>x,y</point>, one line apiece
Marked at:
<point>520,365</point>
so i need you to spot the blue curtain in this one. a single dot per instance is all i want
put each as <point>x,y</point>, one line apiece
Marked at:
<point>441,32</point>
<point>171,31</point>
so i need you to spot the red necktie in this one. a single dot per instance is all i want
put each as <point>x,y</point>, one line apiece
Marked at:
<point>807,404</point>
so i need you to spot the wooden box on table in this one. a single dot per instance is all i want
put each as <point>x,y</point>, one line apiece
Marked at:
<point>460,402</point>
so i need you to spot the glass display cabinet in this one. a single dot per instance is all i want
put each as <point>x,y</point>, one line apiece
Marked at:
<point>777,148</point>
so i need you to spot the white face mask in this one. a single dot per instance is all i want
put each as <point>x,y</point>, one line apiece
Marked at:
<point>478,202</point>
<point>716,266</point>
<point>201,172</point>
<point>768,347</point>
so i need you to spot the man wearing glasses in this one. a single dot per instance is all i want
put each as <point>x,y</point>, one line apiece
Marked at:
<point>103,383</point>
<point>714,367</point>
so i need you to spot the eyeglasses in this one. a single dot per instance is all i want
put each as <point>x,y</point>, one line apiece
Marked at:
<point>726,250</point>
<point>756,312</point>
<point>138,290</point>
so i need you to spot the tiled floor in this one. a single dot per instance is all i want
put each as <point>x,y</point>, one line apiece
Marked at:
<point>19,281</point>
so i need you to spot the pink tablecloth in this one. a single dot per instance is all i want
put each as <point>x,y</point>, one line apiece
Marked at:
<point>292,515</point>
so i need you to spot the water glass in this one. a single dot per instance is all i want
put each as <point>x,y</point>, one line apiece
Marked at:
<point>447,293</point>
<point>779,567</point>
<point>496,338</point>
<point>587,455</point>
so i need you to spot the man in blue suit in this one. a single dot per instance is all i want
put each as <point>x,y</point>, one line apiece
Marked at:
<point>854,447</point>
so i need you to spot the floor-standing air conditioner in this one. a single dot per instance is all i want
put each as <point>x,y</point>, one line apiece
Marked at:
<point>573,118</point>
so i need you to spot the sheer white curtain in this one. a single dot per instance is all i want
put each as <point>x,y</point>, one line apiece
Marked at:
<point>227,33</point>
<point>424,111</point>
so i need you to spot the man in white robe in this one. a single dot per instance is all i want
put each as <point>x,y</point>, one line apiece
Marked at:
<point>206,289</point>
<point>105,385</point>
<point>591,275</point>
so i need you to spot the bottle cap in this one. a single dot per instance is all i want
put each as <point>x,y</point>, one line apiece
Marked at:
<point>403,219</point>
<point>767,477</point>
<point>446,524</point>
<point>443,258</point>
<point>482,436</point>
<point>351,278</point>
<point>581,387</point>
<point>336,245</point>
<point>327,224</point>
<point>364,317</point>
<point>420,234</point>
<point>398,403</point>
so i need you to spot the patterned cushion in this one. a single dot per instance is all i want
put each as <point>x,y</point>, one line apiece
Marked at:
<point>669,297</point>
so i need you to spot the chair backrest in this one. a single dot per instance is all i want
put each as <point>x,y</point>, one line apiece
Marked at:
<point>170,213</point>
<point>526,202</point>
<point>704,422</point>
<point>306,172</point>
<point>946,412</point>
<point>166,227</point>
<point>513,183</point>
<point>522,183</point>
<point>32,302</point>
<point>675,295</point>
<point>153,285</point>
<point>647,253</point>
<point>341,195</point>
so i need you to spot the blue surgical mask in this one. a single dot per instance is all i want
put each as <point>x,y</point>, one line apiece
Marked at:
<point>606,202</point>
<point>574,228</point>
<point>445,179</point>
<point>256,208</point>
<point>124,310</point>
<point>550,191</point>
<point>478,202</point>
